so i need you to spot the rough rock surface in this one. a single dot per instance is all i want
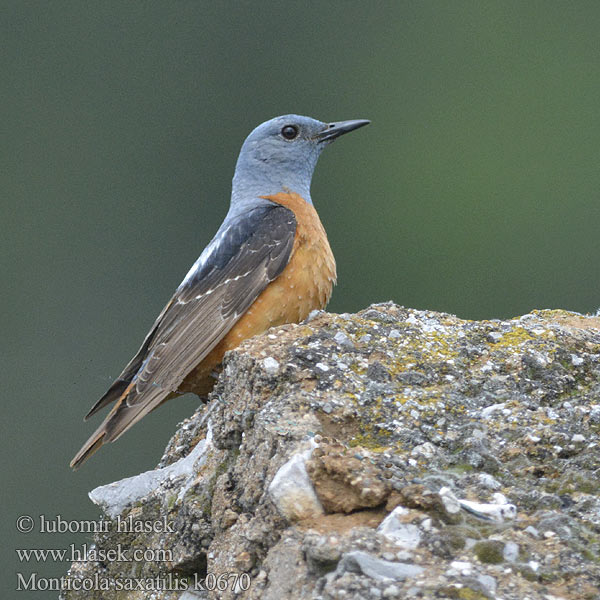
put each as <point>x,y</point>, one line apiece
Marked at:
<point>393,453</point>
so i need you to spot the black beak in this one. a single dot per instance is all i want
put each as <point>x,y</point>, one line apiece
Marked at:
<point>334,130</point>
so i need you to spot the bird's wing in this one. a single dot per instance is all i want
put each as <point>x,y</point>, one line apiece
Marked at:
<point>124,379</point>
<point>241,261</point>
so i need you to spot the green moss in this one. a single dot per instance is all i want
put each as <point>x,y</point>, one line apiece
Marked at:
<point>590,555</point>
<point>454,536</point>
<point>548,576</point>
<point>373,442</point>
<point>489,551</point>
<point>576,482</point>
<point>171,500</point>
<point>471,594</point>
<point>528,573</point>
<point>461,469</point>
<point>203,499</point>
<point>463,593</point>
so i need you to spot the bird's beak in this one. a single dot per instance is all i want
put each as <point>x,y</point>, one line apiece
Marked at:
<point>334,130</point>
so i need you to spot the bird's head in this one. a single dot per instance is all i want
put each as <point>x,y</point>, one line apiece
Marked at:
<point>282,154</point>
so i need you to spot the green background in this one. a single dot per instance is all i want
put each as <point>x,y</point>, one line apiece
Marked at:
<point>474,191</point>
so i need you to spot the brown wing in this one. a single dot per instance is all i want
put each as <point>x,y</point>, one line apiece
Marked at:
<point>243,258</point>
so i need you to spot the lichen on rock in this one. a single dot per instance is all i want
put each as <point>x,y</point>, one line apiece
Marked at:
<point>393,453</point>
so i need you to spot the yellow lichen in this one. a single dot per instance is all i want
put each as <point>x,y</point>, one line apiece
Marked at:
<point>514,338</point>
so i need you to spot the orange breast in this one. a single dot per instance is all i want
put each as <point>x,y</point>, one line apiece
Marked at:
<point>304,285</point>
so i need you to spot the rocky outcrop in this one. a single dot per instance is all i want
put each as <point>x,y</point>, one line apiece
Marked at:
<point>393,453</point>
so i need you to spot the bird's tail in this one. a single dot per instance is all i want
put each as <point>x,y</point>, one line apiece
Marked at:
<point>101,435</point>
<point>92,445</point>
<point>124,414</point>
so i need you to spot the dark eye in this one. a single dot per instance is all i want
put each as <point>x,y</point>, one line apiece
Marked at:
<point>289,132</point>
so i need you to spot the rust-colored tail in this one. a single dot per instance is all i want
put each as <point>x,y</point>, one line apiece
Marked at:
<point>102,434</point>
<point>91,446</point>
<point>126,412</point>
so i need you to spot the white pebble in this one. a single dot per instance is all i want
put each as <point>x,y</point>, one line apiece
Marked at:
<point>270,365</point>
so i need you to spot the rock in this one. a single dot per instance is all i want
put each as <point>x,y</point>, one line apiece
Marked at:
<point>489,482</point>
<point>363,456</point>
<point>488,583</point>
<point>426,450</point>
<point>343,340</point>
<point>343,482</point>
<point>510,553</point>
<point>115,497</point>
<point>497,511</point>
<point>293,492</point>
<point>270,365</point>
<point>376,568</point>
<point>450,504</point>
<point>404,535</point>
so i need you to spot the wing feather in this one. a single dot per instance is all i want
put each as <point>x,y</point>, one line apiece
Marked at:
<point>251,252</point>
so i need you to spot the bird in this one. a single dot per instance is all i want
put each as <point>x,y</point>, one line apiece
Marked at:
<point>270,263</point>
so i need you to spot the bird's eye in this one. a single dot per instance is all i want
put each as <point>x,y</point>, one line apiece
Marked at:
<point>289,132</point>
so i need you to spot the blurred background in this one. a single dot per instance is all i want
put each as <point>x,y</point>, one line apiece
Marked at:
<point>475,190</point>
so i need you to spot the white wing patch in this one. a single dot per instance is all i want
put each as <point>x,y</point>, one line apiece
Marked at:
<point>203,258</point>
<point>225,282</point>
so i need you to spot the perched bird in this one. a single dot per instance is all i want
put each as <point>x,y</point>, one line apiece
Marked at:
<point>269,263</point>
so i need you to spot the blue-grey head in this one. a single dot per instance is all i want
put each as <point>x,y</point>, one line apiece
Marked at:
<point>281,154</point>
